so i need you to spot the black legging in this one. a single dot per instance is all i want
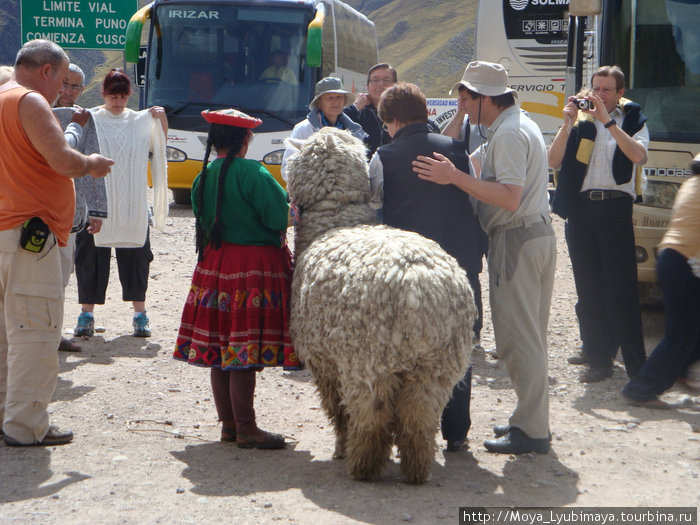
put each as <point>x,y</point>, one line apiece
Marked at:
<point>92,269</point>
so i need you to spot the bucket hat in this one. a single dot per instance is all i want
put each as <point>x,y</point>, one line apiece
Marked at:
<point>331,85</point>
<point>484,78</point>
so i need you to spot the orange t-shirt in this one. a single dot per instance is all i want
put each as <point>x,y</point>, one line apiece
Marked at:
<point>28,186</point>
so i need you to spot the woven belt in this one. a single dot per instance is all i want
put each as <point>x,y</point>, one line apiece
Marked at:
<point>600,195</point>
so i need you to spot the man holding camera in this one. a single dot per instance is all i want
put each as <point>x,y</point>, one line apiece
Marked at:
<point>599,151</point>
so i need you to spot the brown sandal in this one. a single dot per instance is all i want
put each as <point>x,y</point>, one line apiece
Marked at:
<point>228,435</point>
<point>270,441</point>
<point>66,345</point>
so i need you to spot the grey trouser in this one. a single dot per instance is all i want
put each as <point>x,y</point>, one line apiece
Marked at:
<point>522,259</point>
<point>31,317</point>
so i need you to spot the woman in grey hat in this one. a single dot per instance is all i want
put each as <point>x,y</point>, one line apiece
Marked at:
<point>330,98</point>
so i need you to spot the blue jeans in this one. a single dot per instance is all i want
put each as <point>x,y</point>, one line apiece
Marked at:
<point>681,343</point>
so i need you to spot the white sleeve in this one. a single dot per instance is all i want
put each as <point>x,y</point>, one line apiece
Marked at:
<point>376,182</point>
<point>159,174</point>
<point>642,136</point>
<point>73,133</point>
<point>301,131</point>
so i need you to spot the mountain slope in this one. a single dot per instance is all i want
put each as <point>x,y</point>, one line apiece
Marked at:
<point>429,43</point>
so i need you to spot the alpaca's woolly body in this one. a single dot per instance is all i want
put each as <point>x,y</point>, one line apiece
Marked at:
<point>382,317</point>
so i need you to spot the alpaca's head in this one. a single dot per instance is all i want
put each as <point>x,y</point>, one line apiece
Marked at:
<point>329,167</point>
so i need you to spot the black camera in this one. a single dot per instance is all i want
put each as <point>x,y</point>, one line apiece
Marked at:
<point>582,103</point>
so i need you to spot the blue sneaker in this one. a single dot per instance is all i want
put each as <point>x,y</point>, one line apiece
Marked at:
<point>141,328</point>
<point>86,325</point>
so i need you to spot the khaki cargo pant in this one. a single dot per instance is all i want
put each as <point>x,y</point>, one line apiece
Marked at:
<point>521,280</point>
<point>31,316</point>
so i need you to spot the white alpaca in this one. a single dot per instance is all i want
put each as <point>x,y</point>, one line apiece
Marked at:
<point>382,317</point>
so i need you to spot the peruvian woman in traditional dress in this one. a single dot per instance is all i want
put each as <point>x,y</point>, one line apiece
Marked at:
<point>236,318</point>
<point>127,136</point>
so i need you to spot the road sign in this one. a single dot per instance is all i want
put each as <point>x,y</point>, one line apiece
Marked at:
<point>78,24</point>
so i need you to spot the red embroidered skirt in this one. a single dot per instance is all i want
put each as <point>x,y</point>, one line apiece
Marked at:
<point>237,310</point>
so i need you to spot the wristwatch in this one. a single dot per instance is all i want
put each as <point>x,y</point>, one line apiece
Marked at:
<point>610,123</point>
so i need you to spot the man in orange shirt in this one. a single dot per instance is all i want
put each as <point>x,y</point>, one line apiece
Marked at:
<point>36,171</point>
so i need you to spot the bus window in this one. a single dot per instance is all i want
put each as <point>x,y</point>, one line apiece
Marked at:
<point>242,56</point>
<point>657,46</point>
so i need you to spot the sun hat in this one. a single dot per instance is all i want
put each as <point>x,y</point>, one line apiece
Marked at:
<point>331,85</point>
<point>484,78</point>
<point>231,117</point>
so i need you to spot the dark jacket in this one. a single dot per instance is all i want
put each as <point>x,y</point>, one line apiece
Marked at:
<point>442,213</point>
<point>368,119</point>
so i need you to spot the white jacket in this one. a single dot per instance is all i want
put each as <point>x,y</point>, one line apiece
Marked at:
<point>310,125</point>
<point>127,139</point>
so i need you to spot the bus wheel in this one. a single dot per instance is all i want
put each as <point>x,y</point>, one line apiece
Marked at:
<point>182,196</point>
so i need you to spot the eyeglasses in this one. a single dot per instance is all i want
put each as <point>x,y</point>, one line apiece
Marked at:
<point>382,81</point>
<point>72,87</point>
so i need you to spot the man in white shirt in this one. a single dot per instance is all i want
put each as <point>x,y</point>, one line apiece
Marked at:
<point>599,152</point>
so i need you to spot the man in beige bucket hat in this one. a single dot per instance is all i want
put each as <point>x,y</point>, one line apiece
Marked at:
<point>512,204</point>
<point>485,78</point>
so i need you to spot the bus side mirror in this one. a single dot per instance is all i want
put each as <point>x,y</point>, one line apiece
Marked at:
<point>314,37</point>
<point>133,34</point>
<point>584,7</point>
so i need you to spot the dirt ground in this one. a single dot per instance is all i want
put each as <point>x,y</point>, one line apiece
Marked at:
<point>146,446</point>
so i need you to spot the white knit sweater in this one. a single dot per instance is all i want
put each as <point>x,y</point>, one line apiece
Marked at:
<point>127,139</point>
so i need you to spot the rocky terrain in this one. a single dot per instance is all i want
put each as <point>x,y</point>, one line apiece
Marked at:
<point>146,446</point>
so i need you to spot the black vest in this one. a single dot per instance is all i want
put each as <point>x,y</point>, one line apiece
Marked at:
<point>442,213</point>
<point>577,155</point>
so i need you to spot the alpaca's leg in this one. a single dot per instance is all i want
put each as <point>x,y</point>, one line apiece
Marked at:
<point>328,391</point>
<point>418,408</point>
<point>341,433</point>
<point>369,437</point>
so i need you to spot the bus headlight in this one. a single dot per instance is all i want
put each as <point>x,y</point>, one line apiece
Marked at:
<point>660,194</point>
<point>175,155</point>
<point>274,158</point>
<point>641,254</point>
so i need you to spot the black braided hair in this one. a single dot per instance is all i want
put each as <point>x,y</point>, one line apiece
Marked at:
<point>200,241</point>
<point>220,137</point>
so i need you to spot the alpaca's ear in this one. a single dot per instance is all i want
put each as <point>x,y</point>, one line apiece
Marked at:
<point>295,144</point>
<point>331,140</point>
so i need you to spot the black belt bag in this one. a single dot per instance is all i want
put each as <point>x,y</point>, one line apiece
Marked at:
<point>35,233</point>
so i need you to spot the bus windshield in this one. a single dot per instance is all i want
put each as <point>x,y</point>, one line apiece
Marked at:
<point>246,57</point>
<point>657,42</point>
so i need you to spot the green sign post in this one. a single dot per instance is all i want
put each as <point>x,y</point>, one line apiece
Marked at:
<point>78,24</point>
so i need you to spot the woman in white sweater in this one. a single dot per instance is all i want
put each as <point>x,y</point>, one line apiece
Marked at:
<point>127,136</point>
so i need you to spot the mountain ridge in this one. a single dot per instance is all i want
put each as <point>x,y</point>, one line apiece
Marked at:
<point>429,43</point>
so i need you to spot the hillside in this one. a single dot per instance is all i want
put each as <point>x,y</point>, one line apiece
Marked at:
<point>429,43</point>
